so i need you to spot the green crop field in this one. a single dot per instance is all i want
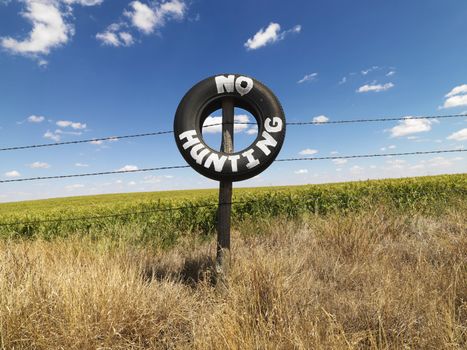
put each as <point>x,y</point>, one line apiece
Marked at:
<point>195,211</point>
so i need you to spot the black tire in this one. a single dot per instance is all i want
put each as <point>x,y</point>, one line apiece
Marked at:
<point>206,97</point>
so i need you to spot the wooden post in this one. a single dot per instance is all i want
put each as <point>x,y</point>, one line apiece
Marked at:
<point>225,198</point>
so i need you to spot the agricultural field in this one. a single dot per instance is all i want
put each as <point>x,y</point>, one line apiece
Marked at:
<point>364,265</point>
<point>195,210</point>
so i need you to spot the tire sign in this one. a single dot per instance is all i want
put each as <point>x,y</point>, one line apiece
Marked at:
<point>205,98</point>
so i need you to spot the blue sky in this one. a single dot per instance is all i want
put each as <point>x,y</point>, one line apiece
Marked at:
<point>72,69</point>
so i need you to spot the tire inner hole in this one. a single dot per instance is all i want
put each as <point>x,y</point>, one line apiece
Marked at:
<point>244,134</point>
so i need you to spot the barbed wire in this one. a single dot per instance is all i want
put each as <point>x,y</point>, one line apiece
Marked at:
<point>387,119</point>
<point>187,166</point>
<point>156,133</point>
<point>371,155</point>
<point>142,212</point>
<point>96,174</point>
<point>110,138</point>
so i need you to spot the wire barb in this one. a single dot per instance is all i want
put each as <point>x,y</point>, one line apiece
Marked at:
<point>98,217</point>
<point>371,155</point>
<point>388,119</point>
<point>156,133</point>
<point>187,166</point>
<point>96,174</point>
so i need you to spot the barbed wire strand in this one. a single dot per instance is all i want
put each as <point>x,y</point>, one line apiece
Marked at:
<point>377,119</point>
<point>371,155</point>
<point>98,217</point>
<point>101,139</point>
<point>187,166</point>
<point>156,133</point>
<point>96,174</point>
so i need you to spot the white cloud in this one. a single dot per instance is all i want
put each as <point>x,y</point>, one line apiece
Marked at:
<point>147,18</point>
<point>73,125</point>
<point>308,77</point>
<point>308,151</point>
<point>343,81</point>
<point>36,119</point>
<point>217,127</point>
<point>152,179</point>
<point>253,130</point>
<point>131,183</point>
<point>320,119</point>
<point>84,2</point>
<point>456,101</point>
<point>389,147</point>
<point>410,126</point>
<point>460,135</point>
<point>269,35</point>
<point>126,38</point>
<point>369,70</point>
<point>301,171</point>
<point>109,38</point>
<point>96,142</point>
<point>461,89</point>
<point>128,168</point>
<point>417,166</point>
<point>61,132</point>
<point>144,17</point>
<point>74,187</point>
<point>339,161</point>
<point>391,73</point>
<point>396,163</point>
<point>439,162</point>
<point>52,136</point>
<point>39,165</point>
<point>264,37</point>
<point>457,97</point>
<point>111,35</point>
<point>375,87</point>
<point>12,173</point>
<point>81,165</point>
<point>356,169</point>
<point>49,27</point>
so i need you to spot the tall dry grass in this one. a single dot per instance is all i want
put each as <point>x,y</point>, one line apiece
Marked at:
<point>374,280</point>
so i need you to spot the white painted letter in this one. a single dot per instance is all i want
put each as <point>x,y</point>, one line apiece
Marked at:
<point>270,128</point>
<point>191,139</point>
<point>199,156</point>
<point>225,83</point>
<point>252,162</point>
<point>264,144</point>
<point>243,90</point>
<point>233,162</point>
<point>218,162</point>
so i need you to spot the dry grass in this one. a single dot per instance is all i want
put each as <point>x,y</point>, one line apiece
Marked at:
<point>374,280</point>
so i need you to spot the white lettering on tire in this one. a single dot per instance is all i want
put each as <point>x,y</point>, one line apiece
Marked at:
<point>228,83</point>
